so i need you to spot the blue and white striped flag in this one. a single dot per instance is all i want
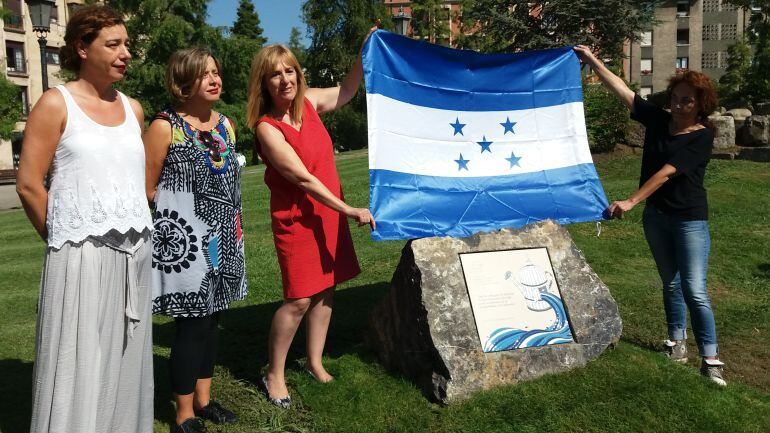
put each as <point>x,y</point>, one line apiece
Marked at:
<point>462,142</point>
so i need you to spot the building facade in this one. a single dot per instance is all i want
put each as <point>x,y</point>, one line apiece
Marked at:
<point>22,62</point>
<point>689,34</point>
<point>401,11</point>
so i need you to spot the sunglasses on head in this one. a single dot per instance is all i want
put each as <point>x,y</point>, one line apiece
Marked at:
<point>211,144</point>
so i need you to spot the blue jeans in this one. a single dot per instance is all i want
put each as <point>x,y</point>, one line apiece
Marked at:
<point>681,252</point>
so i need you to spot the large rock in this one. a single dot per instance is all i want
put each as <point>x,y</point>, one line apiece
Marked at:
<point>762,109</point>
<point>756,154</point>
<point>425,329</point>
<point>725,137</point>
<point>739,114</point>
<point>635,134</point>
<point>755,132</point>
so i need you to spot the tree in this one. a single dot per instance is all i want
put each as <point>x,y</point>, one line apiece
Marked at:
<point>510,26</point>
<point>296,46</point>
<point>733,88</point>
<point>337,30</point>
<point>430,21</point>
<point>758,35</point>
<point>10,107</point>
<point>247,24</point>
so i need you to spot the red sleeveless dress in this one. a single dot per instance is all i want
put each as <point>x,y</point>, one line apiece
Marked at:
<point>313,243</point>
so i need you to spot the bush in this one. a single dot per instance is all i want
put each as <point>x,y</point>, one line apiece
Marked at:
<point>10,107</point>
<point>347,128</point>
<point>606,118</point>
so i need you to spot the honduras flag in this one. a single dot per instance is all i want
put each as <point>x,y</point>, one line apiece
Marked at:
<point>462,142</point>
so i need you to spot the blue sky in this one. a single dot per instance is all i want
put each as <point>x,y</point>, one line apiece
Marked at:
<point>277,17</point>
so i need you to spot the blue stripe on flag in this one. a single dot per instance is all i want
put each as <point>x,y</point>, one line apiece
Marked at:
<point>396,66</point>
<point>414,206</point>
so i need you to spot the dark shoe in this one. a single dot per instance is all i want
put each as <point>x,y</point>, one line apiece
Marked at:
<point>284,403</point>
<point>215,413</point>
<point>676,350</point>
<point>191,425</point>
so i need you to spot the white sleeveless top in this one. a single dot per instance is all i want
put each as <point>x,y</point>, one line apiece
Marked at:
<point>97,178</point>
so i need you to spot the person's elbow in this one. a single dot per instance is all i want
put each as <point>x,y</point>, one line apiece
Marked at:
<point>26,189</point>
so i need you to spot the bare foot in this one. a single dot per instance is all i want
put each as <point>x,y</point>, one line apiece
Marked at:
<point>276,387</point>
<point>320,374</point>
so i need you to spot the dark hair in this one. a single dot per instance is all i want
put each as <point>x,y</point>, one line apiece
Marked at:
<point>705,94</point>
<point>84,26</point>
<point>184,71</point>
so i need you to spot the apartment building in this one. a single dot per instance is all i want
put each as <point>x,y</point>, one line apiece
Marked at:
<point>689,34</point>
<point>22,61</point>
<point>401,11</point>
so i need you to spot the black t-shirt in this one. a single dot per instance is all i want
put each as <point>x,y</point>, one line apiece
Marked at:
<point>683,195</point>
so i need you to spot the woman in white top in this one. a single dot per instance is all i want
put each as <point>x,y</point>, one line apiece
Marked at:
<point>93,360</point>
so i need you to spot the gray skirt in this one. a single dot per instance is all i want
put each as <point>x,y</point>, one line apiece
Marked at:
<point>93,360</point>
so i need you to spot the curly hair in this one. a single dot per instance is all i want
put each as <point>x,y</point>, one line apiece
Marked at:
<point>705,94</point>
<point>84,26</point>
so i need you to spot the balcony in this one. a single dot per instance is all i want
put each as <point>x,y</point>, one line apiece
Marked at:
<point>14,23</point>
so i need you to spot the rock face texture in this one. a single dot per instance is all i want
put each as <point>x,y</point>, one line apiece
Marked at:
<point>755,132</point>
<point>425,329</point>
<point>725,137</point>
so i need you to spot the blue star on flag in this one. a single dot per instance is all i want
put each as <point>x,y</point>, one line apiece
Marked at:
<point>508,125</point>
<point>484,144</point>
<point>457,126</point>
<point>514,160</point>
<point>462,163</point>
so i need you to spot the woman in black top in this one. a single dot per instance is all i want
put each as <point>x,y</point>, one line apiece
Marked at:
<point>677,148</point>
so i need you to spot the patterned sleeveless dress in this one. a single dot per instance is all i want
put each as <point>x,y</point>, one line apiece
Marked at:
<point>198,255</point>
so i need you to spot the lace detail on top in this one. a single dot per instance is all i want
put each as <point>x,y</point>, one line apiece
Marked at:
<point>97,178</point>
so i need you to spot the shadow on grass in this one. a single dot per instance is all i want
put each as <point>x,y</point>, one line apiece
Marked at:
<point>764,269</point>
<point>244,332</point>
<point>15,395</point>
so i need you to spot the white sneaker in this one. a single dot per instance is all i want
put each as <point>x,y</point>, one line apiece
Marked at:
<point>712,369</point>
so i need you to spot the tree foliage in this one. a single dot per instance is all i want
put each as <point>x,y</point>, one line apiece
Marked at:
<point>337,30</point>
<point>758,35</point>
<point>733,85</point>
<point>296,46</point>
<point>247,23</point>
<point>179,24</point>
<point>510,26</point>
<point>10,107</point>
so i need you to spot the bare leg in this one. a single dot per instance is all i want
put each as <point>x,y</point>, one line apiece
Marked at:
<point>184,407</point>
<point>202,393</point>
<point>318,317</point>
<point>285,323</point>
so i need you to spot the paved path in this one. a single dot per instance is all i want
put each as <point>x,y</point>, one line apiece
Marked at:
<point>8,197</point>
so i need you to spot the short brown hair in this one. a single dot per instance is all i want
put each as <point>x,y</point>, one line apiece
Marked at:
<point>84,26</point>
<point>260,101</point>
<point>185,69</point>
<point>705,94</point>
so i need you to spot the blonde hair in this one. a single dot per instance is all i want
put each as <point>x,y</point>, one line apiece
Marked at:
<point>260,101</point>
<point>185,69</point>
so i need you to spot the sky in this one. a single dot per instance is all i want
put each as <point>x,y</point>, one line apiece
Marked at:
<point>277,17</point>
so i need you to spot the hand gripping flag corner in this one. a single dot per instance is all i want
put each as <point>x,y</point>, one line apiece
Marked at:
<point>462,142</point>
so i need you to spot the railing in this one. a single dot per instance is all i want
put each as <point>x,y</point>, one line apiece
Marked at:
<point>14,22</point>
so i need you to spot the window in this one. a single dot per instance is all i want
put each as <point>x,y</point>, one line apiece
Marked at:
<point>646,66</point>
<point>681,62</point>
<point>683,37</point>
<point>52,56</point>
<point>646,39</point>
<point>13,19</point>
<point>729,32</point>
<point>645,91</point>
<point>710,60</point>
<point>711,32</point>
<point>14,54</point>
<point>710,5</point>
<point>24,101</point>
<point>55,13</point>
<point>683,8</point>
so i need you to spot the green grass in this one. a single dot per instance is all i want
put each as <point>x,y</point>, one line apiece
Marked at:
<point>629,389</point>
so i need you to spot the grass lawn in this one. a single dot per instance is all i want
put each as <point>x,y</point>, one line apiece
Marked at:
<point>629,389</point>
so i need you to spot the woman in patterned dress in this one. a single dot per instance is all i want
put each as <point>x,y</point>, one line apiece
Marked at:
<point>310,230</point>
<point>198,261</point>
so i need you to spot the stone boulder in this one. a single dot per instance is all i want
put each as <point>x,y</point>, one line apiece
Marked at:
<point>635,134</point>
<point>755,132</point>
<point>762,109</point>
<point>725,137</point>
<point>425,329</point>
<point>739,114</point>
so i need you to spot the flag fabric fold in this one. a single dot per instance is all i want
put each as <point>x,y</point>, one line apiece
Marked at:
<point>462,142</point>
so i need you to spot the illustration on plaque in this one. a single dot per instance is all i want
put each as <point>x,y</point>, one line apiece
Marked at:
<point>515,299</point>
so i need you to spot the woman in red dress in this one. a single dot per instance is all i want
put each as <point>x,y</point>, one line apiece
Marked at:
<point>312,238</point>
